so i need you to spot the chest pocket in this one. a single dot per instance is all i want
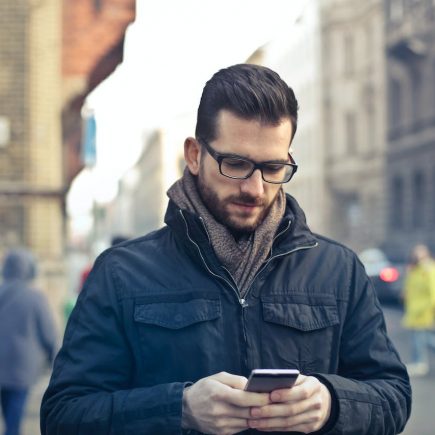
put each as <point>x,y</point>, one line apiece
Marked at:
<point>303,328</point>
<point>177,315</point>
<point>304,316</point>
<point>179,336</point>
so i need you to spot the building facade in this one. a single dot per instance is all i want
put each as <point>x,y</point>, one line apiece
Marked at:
<point>296,56</point>
<point>354,120</point>
<point>410,38</point>
<point>31,170</point>
<point>333,57</point>
<point>141,204</point>
<point>37,83</point>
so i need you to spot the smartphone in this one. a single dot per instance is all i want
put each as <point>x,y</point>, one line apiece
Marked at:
<point>267,380</point>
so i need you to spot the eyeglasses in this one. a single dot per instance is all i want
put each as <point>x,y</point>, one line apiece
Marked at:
<point>240,168</point>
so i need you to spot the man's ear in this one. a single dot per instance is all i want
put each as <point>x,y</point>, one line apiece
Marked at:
<point>192,155</point>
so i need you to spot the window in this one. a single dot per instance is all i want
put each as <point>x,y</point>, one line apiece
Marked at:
<point>417,96</point>
<point>396,205</point>
<point>329,129</point>
<point>349,55</point>
<point>395,103</point>
<point>396,10</point>
<point>418,207</point>
<point>370,114</point>
<point>351,136</point>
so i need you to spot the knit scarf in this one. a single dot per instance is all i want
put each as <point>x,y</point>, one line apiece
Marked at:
<point>244,257</point>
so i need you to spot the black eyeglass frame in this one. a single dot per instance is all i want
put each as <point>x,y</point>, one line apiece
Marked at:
<point>219,158</point>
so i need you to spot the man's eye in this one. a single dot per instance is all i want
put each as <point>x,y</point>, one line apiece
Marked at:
<point>273,168</point>
<point>236,163</point>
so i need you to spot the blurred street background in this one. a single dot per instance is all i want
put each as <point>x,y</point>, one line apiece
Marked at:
<point>97,97</point>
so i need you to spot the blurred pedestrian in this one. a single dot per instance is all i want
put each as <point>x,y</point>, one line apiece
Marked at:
<point>27,336</point>
<point>419,299</point>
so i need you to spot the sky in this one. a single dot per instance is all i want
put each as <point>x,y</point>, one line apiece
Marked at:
<point>171,50</point>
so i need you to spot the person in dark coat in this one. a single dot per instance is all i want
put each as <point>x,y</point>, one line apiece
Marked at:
<point>27,336</point>
<point>169,326</point>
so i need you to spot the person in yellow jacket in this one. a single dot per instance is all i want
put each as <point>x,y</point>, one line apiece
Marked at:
<point>419,299</point>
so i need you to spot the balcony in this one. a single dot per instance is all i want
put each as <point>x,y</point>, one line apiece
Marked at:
<point>410,28</point>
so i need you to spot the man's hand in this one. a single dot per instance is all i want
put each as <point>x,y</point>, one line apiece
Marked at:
<point>305,408</point>
<point>219,405</point>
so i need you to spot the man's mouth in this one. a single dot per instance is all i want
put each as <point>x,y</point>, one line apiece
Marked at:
<point>245,206</point>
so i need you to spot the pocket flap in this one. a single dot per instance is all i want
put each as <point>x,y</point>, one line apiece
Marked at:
<point>302,316</point>
<point>176,315</point>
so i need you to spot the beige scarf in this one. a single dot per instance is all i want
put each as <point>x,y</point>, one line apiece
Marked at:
<point>243,258</point>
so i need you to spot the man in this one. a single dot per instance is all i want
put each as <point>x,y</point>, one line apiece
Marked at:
<point>169,325</point>
<point>27,336</point>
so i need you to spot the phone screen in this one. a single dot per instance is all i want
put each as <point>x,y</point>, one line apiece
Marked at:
<point>267,380</point>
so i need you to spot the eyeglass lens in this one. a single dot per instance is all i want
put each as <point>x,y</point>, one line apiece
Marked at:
<point>273,172</point>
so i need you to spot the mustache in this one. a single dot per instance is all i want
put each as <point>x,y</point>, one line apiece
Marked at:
<point>246,200</point>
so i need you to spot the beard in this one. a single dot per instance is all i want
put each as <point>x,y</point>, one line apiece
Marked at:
<point>219,208</point>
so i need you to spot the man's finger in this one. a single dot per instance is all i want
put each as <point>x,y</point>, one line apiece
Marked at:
<point>232,381</point>
<point>307,420</point>
<point>280,410</point>
<point>236,395</point>
<point>238,411</point>
<point>246,398</point>
<point>302,390</point>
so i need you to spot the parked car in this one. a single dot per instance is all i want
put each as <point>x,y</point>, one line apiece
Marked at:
<point>387,276</point>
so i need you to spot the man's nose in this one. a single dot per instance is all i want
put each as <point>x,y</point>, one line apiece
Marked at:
<point>253,185</point>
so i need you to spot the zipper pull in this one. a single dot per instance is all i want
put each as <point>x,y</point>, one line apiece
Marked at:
<point>243,303</point>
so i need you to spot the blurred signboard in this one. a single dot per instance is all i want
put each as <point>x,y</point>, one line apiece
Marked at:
<point>89,148</point>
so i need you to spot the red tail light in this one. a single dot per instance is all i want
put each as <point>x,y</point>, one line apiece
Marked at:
<point>389,274</point>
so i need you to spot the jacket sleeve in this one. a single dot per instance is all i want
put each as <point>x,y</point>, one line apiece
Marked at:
<point>371,389</point>
<point>90,391</point>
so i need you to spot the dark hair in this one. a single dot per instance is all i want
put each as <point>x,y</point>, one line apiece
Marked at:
<point>248,91</point>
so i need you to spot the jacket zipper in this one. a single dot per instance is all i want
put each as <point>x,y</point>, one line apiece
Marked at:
<point>241,300</point>
<point>247,365</point>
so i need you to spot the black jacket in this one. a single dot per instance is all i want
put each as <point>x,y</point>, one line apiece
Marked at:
<point>160,311</point>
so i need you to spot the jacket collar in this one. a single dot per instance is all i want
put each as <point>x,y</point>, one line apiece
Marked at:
<point>189,228</point>
<point>293,231</point>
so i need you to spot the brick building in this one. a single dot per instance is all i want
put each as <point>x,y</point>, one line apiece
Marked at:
<point>31,179</point>
<point>52,54</point>
<point>93,42</point>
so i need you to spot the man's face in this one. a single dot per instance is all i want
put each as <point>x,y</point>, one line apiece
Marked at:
<point>242,205</point>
